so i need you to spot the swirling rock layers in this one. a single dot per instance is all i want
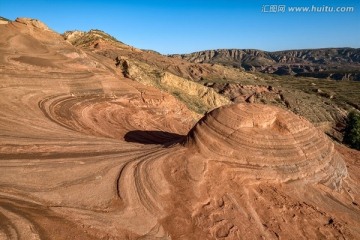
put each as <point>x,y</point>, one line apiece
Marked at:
<point>266,142</point>
<point>88,154</point>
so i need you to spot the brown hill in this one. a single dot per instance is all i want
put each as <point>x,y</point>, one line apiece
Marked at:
<point>279,141</point>
<point>332,63</point>
<point>88,153</point>
<point>177,77</point>
<point>203,87</point>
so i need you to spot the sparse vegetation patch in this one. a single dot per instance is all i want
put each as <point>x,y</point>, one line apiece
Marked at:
<point>352,131</point>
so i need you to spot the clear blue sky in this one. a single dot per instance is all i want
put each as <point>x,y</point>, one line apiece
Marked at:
<point>173,26</point>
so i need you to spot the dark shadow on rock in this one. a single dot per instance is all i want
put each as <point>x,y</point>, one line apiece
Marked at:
<point>153,137</point>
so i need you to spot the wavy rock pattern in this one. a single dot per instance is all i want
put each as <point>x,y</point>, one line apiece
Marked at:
<point>269,143</point>
<point>86,154</point>
<point>63,122</point>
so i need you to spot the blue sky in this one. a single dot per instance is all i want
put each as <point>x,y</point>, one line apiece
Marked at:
<point>173,26</point>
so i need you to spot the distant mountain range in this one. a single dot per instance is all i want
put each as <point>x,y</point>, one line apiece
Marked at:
<point>332,63</point>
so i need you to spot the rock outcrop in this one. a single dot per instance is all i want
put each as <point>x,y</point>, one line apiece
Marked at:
<point>177,77</point>
<point>4,20</point>
<point>33,22</point>
<point>266,143</point>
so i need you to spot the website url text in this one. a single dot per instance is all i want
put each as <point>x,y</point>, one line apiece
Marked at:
<point>308,9</point>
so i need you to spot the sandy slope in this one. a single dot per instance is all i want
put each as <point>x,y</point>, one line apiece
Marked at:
<point>87,154</point>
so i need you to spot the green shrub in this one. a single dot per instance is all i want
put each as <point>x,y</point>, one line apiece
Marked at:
<point>352,130</point>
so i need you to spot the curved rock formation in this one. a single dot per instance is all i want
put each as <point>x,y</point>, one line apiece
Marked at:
<point>267,143</point>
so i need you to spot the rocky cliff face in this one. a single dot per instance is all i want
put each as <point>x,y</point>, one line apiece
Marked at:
<point>332,63</point>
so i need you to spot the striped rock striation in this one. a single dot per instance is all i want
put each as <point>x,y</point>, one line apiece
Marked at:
<point>267,143</point>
